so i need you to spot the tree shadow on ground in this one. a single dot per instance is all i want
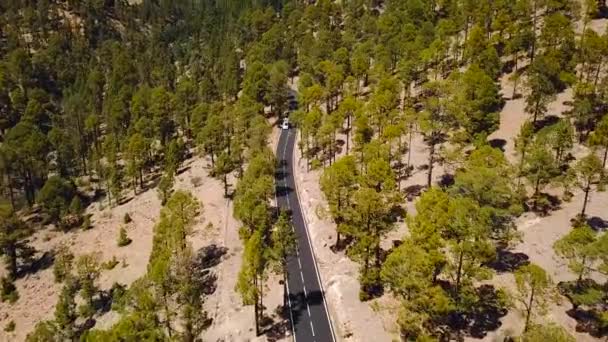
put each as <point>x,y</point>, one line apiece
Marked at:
<point>207,258</point>
<point>546,121</point>
<point>182,170</point>
<point>507,261</point>
<point>32,264</point>
<point>588,305</point>
<point>498,143</point>
<point>413,191</point>
<point>597,223</point>
<point>587,322</point>
<point>483,317</point>
<point>545,204</point>
<point>446,180</point>
<point>277,330</point>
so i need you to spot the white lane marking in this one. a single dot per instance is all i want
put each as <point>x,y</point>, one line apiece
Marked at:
<point>312,327</point>
<point>300,263</point>
<point>331,327</point>
<point>308,309</point>
<point>302,276</point>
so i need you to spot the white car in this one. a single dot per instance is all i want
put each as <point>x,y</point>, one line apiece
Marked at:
<point>285,123</point>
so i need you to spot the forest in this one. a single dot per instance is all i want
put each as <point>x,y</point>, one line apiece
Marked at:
<point>400,109</point>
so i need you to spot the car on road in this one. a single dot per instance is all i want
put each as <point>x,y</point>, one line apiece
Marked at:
<point>285,123</point>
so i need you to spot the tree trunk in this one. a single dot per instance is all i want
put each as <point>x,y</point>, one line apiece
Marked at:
<point>285,294</point>
<point>529,310</point>
<point>533,50</point>
<point>11,256</point>
<point>537,185</point>
<point>459,274</point>
<point>409,147</point>
<point>535,113</point>
<point>348,128</point>
<point>429,178</point>
<point>603,162</point>
<point>515,75</point>
<point>587,189</point>
<point>225,185</point>
<point>261,309</point>
<point>256,311</point>
<point>579,280</point>
<point>167,315</point>
<point>12,195</point>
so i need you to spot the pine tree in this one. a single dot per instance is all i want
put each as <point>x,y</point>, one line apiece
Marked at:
<point>534,290</point>
<point>65,310</point>
<point>62,266</point>
<point>12,232</point>
<point>252,276</point>
<point>578,247</point>
<point>586,174</point>
<point>88,271</point>
<point>599,138</point>
<point>284,245</point>
<point>123,239</point>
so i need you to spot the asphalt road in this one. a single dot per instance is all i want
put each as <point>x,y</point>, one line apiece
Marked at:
<point>308,310</point>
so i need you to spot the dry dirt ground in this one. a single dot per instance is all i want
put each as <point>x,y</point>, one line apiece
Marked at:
<point>357,321</point>
<point>231,320</point>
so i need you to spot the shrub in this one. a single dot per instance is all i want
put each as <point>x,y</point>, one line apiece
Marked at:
<point>86,223</point>
<point>70,221</point>
<point>123,239</point>
<point>119,296</point>
<point>8,291</point>
<point>110,264</point>
<point>127,219</point>
<point>76,206</point>
<point>62,267</point>
<point>55,196</point>
<point>10,327</point>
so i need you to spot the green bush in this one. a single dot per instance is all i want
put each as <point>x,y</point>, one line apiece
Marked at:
<point>110,264</point>
<point>62,267</point>
<point>123,239</point>
<point>55,196</point>
<point>10,326</point>
<point>76,206</point>
<point>8,291</point>
<point>119,296</point>
<point>86,223</point>
<point>127,219</point>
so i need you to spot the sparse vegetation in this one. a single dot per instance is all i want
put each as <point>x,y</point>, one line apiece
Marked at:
<point>397,101</point>
<point>62,266</point>
<point>8,291</point>
<point>10,326</point>
<point>110,264</point>
<point>123,239</point>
